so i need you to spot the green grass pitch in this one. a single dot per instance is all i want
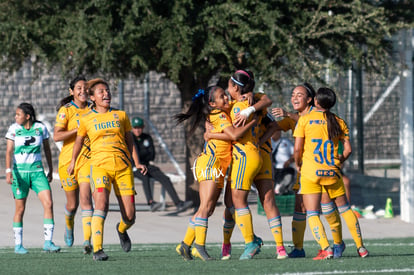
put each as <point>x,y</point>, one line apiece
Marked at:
<point>387,256</point>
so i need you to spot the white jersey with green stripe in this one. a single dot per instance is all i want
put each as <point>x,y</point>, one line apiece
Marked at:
<point>27,146</point>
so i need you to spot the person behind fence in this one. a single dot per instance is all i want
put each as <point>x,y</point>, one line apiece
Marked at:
<point>282,158</point>
<point>24,171</point>
<point>146,154</point>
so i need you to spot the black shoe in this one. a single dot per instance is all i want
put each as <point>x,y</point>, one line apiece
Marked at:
<point>184,251</point>
<point>124,240</point>
<point>184,205</point>
<point>100,256</point>
<point>155,206</point>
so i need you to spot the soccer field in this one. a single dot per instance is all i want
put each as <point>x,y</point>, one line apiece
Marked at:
<point>387,256</point>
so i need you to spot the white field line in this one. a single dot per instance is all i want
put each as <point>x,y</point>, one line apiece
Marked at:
<point>392,271</point>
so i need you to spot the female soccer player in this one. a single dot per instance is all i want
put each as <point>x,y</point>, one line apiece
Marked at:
<point>263,180</point>
<point>66,127</point>
<point>109,131</point>
<point>211,165</point>
<point>246,162</point>
<point>317,136</point>
<point>24,170</point>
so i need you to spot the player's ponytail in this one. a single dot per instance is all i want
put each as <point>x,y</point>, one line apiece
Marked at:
<point>199,108</point>
<point>326,99</point>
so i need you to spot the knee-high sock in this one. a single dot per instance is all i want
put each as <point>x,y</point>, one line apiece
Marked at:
<point>332,217</point>
<point>353,224</point>
<point>245,223</point>
<point>201,225</point>
<point>316,226</point>
<point>86,223</point>
<point>124,226</point>
<point>298,229</point>
<point>275,225</point>
<point>18,233</point>
<point>190,233</point>
<point>69,219</point>
<point>228,225</point>
<point>49,226</point>
<point>98,220</point>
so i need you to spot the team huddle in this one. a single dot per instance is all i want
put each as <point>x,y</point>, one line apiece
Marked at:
<point>238,143</point>
<point>98,154</point>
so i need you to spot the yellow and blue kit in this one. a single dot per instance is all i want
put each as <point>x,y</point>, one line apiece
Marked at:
<point>246,156</point>
<point>320,159</point>
<point>68,118</point>
<point>213,162</point>
<point>110,156</point>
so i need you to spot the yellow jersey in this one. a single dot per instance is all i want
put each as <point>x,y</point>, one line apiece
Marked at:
<point>215,147</point>
<point>320,157</point>
<point>251,136</point>
<point>106,132</point>
<point>68,118</point>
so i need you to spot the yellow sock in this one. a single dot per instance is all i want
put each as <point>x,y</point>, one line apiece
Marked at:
<point>228,227</point>
<point>316,226</point>
<point>123,226</point>
<point>228,224</point>
<point>352,223</point>
<point>98,220</point>
<point>298,229</point>
<point>86,224</point>
<point>245,224</point>
<point>275,225</point>
<point>332,217</point>
<point>190,233</point>
<point>201,225</point>
<point>69,219</point>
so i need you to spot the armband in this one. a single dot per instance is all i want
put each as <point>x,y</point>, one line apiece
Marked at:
<point>8,170</point>
<point>248,111</point>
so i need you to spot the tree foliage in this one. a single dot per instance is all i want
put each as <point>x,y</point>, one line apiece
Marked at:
<point>191,41</point>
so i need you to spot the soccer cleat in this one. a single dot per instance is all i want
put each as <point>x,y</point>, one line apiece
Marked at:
<point>226,251</point>
<point>281,253</point>
<point>362,252</point>
<point>297,253</point>
<point>87,248</point>
<point>19,249</point>
<point>184,251</point>
<point>324,254</point>
<point>250,250</point>
<point>100,256</point>
<point>68,236</point>
<point>258,240</point>
<point>49,246</point>
<point>338,249</point>
<point>199,251</point>
<point>124,240</point>
<point>184,205</point>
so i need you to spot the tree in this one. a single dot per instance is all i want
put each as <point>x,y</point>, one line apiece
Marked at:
<point>194,41</point>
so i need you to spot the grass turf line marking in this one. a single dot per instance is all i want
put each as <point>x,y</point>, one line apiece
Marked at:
<point>403,270</point>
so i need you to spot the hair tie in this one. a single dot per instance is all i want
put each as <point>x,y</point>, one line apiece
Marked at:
<point>199,93</point>
<point>243,72</point>
<point>237,82</point>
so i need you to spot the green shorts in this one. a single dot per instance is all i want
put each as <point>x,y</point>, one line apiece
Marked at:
<point>23,181</point>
